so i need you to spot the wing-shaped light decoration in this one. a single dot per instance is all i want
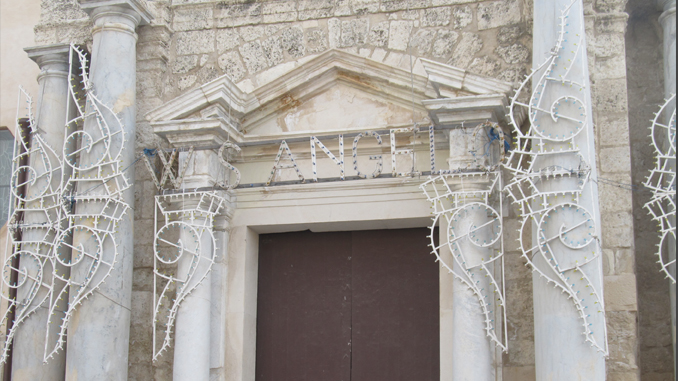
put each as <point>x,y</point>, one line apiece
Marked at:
<point>470,206</point>
<point>92,201</point>
<point>183,250</point>
<point>551,182</point>
<point>662,182</point>
<point>34,219</point>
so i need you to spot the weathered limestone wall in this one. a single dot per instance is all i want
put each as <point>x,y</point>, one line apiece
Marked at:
<point>191,42</point>
<point>606,25</point>
<point>646,94</point>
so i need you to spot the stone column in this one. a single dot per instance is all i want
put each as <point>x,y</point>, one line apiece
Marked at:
<point>561,352</point>
<point>668,21</point>
<point>193,333</point>
<point>29,342</point>
<point>98,336</point>
<point>472,353</point>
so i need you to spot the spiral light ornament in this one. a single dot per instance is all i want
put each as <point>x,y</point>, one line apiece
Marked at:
<point>182,260</point>
<point>551,182</point>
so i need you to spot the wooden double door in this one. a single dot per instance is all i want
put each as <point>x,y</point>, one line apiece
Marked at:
<point>340,306</point>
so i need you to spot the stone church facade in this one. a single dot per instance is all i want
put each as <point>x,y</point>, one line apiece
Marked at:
<point>255,74</point>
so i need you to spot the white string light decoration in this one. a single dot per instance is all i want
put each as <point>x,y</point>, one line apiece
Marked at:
<point>470,206</point>
<point>93,201</point>
<point>551,183</point>
<point>33,223</point>
<point>662,183</point>
<point>284,149</point>
<point>184,249</point>
<point>474,239</point>
<point>74,203</point>
<point>167,168</point>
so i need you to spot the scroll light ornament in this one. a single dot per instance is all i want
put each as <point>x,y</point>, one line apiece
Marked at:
<point>34,224</point>
<point>80,234</point>
<point>662,183</point>
<point>184,249</point>
<point>551,181</point>
<point>471,205</point>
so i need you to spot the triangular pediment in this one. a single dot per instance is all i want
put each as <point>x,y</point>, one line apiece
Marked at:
<point>333,91</point>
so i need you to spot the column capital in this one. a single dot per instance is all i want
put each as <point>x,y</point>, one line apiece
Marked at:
<point>665,5</point>
<point>47,55</point>
<point>136,6</point>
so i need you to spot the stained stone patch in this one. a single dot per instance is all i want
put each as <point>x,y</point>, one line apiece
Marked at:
<point>273,51</point>
<point>251,33</point>
<point>334,32</point>
<point>316,40</point>
<point>422,41</point>
<point>401,5</point>
<point>513,74</point>
<point>192,19</point>
<point>399,35</point>
<point>232,66</point>
<point>292,41</point>
<point>361,7</point>
<point>279,11</point>
<point>462,17</point>
<point>315,9</point>
<point>186,81</point>
<point>183,64</point>
<point>509,34</point>
<point>227,39</point>
<point>379,34</point>
<point>55,11</point>
<point>231,15</point>
<point>411,15</point>
<point>469,45</point>
<point>444,43</point>
<point>435,3</point>
<point>485,66</point>
<point>516,53</point>
<point>208,74</point>
<point>354,32</point>
<point>342,8</point>
<point>253,55</point>
<point>195,42</point>
<point>436,17</point>
<point>498,13</point>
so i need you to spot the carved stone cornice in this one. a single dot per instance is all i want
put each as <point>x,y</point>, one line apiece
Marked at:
<point>90,6</point>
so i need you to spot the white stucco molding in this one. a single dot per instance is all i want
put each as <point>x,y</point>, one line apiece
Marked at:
<point>136,5</point>
<point>300,84</point>
<point>221,107</point>
<point>448,81</point>
<point>446,112</point>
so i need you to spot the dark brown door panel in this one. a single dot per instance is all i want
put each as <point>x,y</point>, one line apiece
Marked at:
<point>359,306</point>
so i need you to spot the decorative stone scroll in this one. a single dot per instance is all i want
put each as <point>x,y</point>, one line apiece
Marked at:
<point>471,207</point>
<point>662,182</point>
<point>74,201</point>
<point>184,249</point>
<point>552,179</point>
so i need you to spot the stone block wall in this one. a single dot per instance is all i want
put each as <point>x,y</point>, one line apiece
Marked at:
<point>254,42</point>
<point>645,77</point>
<point>605,27</point>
